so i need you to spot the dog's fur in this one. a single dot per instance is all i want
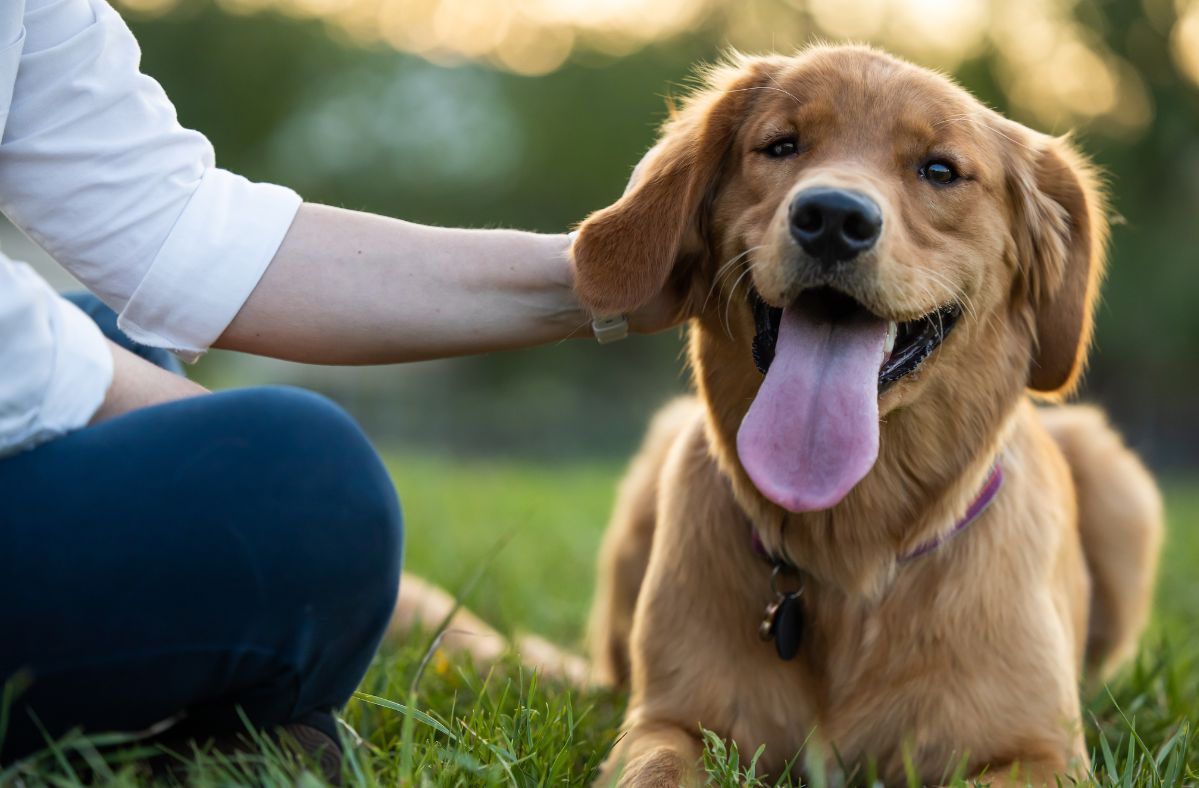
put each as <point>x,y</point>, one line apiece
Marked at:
<point>972,654</point>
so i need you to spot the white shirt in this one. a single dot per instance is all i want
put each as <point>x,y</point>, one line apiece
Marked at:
<point>96,169</point>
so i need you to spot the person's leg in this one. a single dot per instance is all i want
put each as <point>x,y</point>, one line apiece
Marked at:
<point>106,319</point>
<point>239,549</point>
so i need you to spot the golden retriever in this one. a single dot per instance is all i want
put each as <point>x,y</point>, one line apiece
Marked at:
<point>860,543</point>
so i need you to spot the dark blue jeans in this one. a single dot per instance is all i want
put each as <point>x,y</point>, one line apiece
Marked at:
<point>237,551</point>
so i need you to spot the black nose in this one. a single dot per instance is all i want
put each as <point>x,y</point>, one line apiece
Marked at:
<point>835,224</point>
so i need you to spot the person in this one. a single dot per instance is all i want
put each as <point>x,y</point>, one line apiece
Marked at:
<point>174,557</point>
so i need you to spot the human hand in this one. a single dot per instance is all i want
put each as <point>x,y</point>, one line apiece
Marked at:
<point>667,308</point>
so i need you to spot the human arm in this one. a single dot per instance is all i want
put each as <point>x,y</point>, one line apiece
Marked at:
<point>136,383</point>
<point>96,168</point>
<point>54,365</point>
<point>59,372</point>
<point>354,288</point>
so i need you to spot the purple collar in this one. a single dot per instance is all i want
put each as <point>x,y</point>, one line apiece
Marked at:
<point>981,502</point>
<point>984,498</point>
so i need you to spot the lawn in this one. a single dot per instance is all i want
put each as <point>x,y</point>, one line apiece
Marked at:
<point>520,541</point>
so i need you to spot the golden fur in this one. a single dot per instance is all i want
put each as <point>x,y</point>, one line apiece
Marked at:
<point>973,653</point>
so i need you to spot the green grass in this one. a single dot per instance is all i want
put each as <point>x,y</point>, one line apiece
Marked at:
<point>521,540</point>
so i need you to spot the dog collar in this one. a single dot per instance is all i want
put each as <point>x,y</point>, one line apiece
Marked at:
<point>783,621</point>
<point>985,496</point>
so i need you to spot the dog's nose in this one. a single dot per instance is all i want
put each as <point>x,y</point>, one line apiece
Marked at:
<point>835,224</point>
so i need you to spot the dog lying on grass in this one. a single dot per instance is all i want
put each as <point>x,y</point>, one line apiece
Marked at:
<point>860,539</point>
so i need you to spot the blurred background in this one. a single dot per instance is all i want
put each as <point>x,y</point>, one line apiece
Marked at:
<point>530,114</point>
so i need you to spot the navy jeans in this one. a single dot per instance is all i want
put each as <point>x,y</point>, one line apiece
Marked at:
<point>237,551</point>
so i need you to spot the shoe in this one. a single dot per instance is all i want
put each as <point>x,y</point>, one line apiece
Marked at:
<point>309,742</point>
<point>316,745</point>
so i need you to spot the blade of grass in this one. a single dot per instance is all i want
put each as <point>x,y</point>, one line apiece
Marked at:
<point>407,711</point>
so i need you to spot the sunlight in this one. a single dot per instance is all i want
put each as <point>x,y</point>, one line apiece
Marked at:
<point>1184,40</point>
<point>852,19</point>
<point>1053,70</point>
<point>148,6</point>
<point>947,31</point>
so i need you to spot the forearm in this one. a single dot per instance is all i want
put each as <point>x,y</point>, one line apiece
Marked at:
<point>136,383</point>
<point>354,288</point>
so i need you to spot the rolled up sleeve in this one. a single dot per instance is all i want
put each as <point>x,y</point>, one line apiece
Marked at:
<point>64,363</point>
<point>95,168</point>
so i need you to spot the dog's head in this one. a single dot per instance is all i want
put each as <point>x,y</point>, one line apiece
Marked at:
<point>866,240</point>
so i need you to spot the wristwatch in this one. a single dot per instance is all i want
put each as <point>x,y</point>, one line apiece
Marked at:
<point>609,328</point>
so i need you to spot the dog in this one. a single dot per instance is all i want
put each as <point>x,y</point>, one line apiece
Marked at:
<point>862,543</point>
<point>862,538</point>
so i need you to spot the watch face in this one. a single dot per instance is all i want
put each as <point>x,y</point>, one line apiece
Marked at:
<point>610,328</point>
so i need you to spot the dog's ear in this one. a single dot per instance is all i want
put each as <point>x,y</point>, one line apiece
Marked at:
<point>1060,233</point>
<point>624,254</point>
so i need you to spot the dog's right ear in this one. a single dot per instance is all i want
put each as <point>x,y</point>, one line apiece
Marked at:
<point>625,253</point>
<point>1060,235</point>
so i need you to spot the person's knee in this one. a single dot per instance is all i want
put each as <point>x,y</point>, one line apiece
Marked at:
<point>334,479</point>
<point>347,554</point>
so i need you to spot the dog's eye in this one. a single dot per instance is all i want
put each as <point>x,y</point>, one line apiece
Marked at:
<point>782,148</point>
<point>939,171</point>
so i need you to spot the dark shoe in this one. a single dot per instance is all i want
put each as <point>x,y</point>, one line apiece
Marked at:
<point>315,745</point>
<point>314,741</point>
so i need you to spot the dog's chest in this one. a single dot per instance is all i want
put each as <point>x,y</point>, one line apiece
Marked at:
<point>863,675</point>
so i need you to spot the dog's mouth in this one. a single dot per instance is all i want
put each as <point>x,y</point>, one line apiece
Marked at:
<point>811,433</point>
<point>908,343</point>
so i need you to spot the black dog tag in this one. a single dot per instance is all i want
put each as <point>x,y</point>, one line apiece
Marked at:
<point>788,627</point>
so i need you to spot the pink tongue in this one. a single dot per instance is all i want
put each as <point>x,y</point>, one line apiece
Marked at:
<point>811,434</point>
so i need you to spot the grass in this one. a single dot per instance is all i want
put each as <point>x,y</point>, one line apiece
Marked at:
<point>523,538</point>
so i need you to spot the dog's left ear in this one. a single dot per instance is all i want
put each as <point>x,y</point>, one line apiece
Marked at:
<point>625,253</point>
<point>1060,234</point>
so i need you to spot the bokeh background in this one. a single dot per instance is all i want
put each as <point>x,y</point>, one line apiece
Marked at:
<point>530,114</point>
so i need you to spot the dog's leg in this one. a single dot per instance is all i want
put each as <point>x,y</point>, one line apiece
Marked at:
<point>423,605</point>
<point>1120,524</point>
<point>653,755</point>
<point>1037,773</point>
<point>627,542</point>
<point>1042,770</point>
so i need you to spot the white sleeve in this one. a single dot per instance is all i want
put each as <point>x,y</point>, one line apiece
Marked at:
<point>95,167</point>
<point>57,366</point>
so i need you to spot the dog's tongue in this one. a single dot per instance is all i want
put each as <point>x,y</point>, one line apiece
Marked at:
<point>811,434</point>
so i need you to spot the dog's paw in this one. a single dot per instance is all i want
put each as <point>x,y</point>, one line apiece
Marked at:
<point>661,767</point>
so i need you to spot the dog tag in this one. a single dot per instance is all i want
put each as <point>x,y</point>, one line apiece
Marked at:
<point>788,626</point>
<point>770,618</point>
<point>783,623</point>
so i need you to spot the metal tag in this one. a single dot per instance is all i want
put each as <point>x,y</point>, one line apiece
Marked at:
<point>783,622</point>
<point>788,626</point>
